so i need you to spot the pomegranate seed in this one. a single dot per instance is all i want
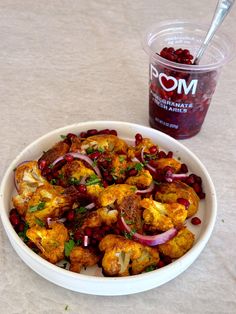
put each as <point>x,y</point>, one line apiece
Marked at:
<point>69,158</point>
<point>14,219</point>
<point>92,132</point>
<point>153,150</point>
<point>70,136</point>
<point>153,163</point>
<point>201,195</point>
<point>105,131</point>
<point>42,164</point>
<point>70,215</point>
<point>196,221</point>
<point>82,188</point>
<point>184,202</point>
<point>167,260</point>
<point>160,264</point>
<point>105,184</point>
<point>95,155</point>
<point>83,135</point>
<point>161,154</point>
<point>183,168</point>
<point>78,235</point>
<point>109,178</point>
<point>178,55</point>
<point>169,155</point>
<point>88,231</point>
<point>132,172</point>
<point>113,132</point>
<point>21,227</point>
<point>190,180</point>
<point>138,139</point>
<point>197,188</point>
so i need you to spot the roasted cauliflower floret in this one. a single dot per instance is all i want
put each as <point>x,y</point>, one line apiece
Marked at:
<point>49,241</point>
<point>170,192</point>
<point>58,150</point>
<point>81,257</point>
<point>145,144</point>
<point>163,216</point>
<point>28,177</point>
<point>118,166</point>
<point>123,256</point>
<point>179,245</point>
<point>109,143</point>
<point>171,162</point>
<point>142,180</point>
<point>77,170</point>
<point>100,216</point>
<point>47,201</point>
<point>115,193</point>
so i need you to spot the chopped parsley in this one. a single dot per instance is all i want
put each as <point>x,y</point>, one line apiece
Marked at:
<point>50,166</point>
<point>39,222</point>
<point>129,222</point>
<point>61,176</point>
<point>81,210</point>
<point>101,150</point>
<point>93,179</point>
<point>68,247</point>
<point>89,150</point>
<point>53,181</point>
<point>150,268</point>
<point>129,235</point>
<point>139,166</point>
<point>23,235</point>
<point>63,137</point>
<point>73,181</point>
<point>121,158</point>
<point>39,206</point>
<point>133,188</point>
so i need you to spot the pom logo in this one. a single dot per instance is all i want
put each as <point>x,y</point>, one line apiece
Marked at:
<point>170,83</point>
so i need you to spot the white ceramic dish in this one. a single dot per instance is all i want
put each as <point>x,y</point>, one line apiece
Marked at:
<point>92,282</point>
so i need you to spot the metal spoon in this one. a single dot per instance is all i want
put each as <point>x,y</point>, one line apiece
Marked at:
<point>222,9</point>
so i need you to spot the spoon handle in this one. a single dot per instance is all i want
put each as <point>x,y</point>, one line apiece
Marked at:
<point>222,9</point>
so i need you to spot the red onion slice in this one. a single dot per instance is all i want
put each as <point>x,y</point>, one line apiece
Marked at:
<point>144,162</point>
<point>90,206</point>
<point>148,190</point>
<point>85,241</point>
<point>150,240</point>
<point>50,220</point>
<point>15,181</point>
<point>82,157</point>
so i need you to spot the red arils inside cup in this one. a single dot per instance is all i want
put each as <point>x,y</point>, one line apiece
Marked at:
<point>179,55</point>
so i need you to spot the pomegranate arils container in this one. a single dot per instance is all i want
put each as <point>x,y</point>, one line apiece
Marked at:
<point>180,94</point>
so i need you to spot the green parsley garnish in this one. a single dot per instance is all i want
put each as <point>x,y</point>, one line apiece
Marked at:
<point>81,210</point>
<point>133,188</point>
<point>39,206</point>
<point>129,222</point>
<point>121,158</point>
<point>129,235</point>
<point>50,166</point>
<point>73,181</point>
<point>39,222</point>
<point>63,137</point>
<point>139,166</point>
<point>53,181</point>
<point>150,268</point>
<point>89,150</point>
<point>93,179</point>
<point>68,247</point>
<point>61,176</point>
<point>101,150</point>
<point>22,234</point>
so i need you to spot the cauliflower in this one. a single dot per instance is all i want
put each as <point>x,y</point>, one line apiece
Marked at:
<point>49,241</point>
<point>100,216</point>
<point>171,162</point>
<point>118,166</point>
<point>170,192</point>
<point>142,180</point>
<point>81,257</point>
<point>76,169</point>
<point>115,193</point>
<point>123,256</point>
<point>109,143</point>
<point>47,201</point>
<point>28,178</point>
<point>179,245</point>
<point>163,216</point>
<point>58,150</point>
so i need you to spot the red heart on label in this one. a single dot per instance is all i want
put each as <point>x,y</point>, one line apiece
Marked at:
<point>168,83</point>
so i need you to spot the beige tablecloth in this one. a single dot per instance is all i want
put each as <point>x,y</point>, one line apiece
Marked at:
<point>63,62</point>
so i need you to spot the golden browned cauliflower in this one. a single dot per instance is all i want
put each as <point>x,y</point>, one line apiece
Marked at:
<point>100,216</point>
<point>76,169</point>
<point>58,150</point>
<point>118,166</point>
<point>146,143</point>
<point>81,257</point>
<point>142,180</point>
<point>28,177</point>
<point>47,201</point>
<point>162,216</point>
<point>170,192</point>
<point>49,241</point>
<point>109,143</point>
<point>179,245</point>
<point>171,162</point>
<point>115,193</point>
<point>123,256</point>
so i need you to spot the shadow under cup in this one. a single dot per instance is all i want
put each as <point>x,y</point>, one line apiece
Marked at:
<point>180,94</point>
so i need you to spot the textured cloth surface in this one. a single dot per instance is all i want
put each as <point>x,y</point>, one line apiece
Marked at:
<point>66,61</point>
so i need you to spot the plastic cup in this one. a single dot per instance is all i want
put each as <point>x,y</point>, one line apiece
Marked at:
<point>180,94</point>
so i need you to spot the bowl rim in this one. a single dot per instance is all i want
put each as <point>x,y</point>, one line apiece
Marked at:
<point>194,251</point>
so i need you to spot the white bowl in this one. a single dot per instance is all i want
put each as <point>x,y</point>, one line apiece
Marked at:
<point>95,283</point>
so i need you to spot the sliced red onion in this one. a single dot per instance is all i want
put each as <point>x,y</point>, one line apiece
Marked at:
<point>82,157</point>
<point>135,159</point>
<point>150,240</point>
<point>144,162</point>
<point>90,206</point>
<point>85,241</point>
<point>148,190</point>
<point>175,176</point>
<point>50,221</point>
